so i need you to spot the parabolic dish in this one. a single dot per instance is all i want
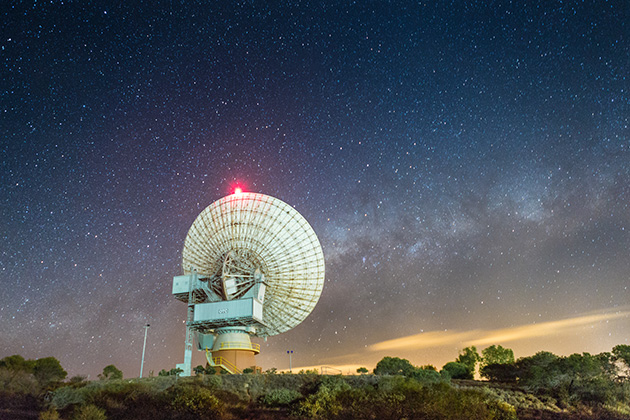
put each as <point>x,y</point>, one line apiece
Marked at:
<point>247,232</point>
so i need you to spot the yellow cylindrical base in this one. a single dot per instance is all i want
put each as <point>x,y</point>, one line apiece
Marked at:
<point>233,350</point>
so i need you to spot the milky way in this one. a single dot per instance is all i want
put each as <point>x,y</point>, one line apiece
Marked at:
<point>466,168</point>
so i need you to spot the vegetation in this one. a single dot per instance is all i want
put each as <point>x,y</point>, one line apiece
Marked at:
<point>456,370</point>
<point>172,372</point>
<point>542,386</point>
<point>111,372</point>
<point>469,358</point>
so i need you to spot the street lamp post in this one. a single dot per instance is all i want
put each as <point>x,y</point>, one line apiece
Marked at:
<point>144,346</point>
<point>290,353</point>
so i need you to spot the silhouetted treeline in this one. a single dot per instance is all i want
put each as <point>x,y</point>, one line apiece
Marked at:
<point>542,386</point>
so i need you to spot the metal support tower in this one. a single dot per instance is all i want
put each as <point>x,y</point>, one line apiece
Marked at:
<point>189,332</point>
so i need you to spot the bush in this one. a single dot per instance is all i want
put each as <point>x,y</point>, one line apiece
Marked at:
<point>195,401</point>
<point>426,376</point>
<point>63,397</point>
<point>213,381</point>
<point>18,382</point>
<point>323,403</point>
<point>90,412</point>
<point>50,414</point>
<point>279,397</point>
<point>402,398</point>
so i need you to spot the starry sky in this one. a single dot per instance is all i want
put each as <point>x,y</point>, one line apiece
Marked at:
<point>465,165</point>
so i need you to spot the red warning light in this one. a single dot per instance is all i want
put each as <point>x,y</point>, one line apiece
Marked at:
<point>238,190</point>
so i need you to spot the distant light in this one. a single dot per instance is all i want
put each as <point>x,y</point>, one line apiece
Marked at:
<point>238,190</point>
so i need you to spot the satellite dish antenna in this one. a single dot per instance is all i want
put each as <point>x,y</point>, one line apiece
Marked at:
<point>253,266</point>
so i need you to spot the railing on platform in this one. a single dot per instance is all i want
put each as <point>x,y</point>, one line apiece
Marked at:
<point>238,345</point>
<point>225,364</point>
<point>221,362</point>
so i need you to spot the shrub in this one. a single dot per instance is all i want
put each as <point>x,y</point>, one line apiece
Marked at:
<point>280,397</point>
<point>90,412</point>
<point>18,382</point>
<point>426,376</point>
<point>63,397</point>
<point>195,401</point>
<point>323,403</point>
<point>50,414</point>
<point>213,381</point>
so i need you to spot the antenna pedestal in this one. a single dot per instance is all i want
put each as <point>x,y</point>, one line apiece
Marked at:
<point>233,350</point>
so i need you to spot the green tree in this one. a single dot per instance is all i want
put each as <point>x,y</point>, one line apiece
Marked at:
<point>199,370</point>
<point>393,366</point>
<point>499,372</point>
<point>534,372</point>
<point>175,371</point>
<point>456,370</point>
<point>211,370</point>
<point>621,353</point>
<point>48,369</point>
<point>17,363</point>
<point>111,372</point>
<point>496,355</point>
<point>469,358</point>
<point>248,370</point>
<point>362,370</point>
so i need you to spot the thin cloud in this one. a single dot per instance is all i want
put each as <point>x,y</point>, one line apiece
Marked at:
<point>434,339</point>
<point>551,328</point>
<point>424,340</point>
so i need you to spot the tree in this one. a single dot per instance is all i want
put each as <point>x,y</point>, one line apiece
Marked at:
<point>199,370</point>
<point>469,358</point>
<point>362,370</point>
<point>48,369</point>
<point>175,371</point>
<point>17,363</point>
<point>496,355</point>
<point>456,370</point>
<point>211,370</point>
<point>172,372</point>
<point>393,366</point>
<point>111,372</point>
<point>534,372</point>
<point>621,353</point>
<point>248,370</point>
<point>499,372</point>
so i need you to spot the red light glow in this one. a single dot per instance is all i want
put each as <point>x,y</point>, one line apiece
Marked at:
<point>238,190</point>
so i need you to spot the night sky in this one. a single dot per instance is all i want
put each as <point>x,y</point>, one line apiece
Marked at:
<point>465,165</point>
